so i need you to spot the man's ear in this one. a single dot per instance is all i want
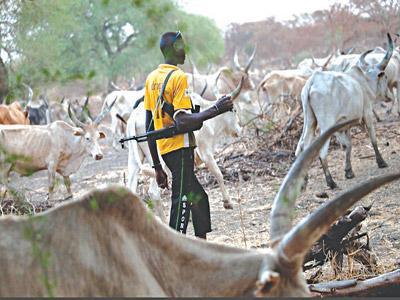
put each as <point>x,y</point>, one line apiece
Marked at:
<point>78,132</point>
<point>102,134</point>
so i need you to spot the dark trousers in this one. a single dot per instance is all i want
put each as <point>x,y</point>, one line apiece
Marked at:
<point>187,194</point>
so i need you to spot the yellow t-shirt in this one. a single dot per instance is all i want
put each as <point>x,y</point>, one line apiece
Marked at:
<point>176,93</point>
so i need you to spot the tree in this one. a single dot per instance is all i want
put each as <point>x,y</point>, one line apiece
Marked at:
<point>99,41</point>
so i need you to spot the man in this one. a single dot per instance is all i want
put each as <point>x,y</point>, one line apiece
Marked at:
<point>176,108</point>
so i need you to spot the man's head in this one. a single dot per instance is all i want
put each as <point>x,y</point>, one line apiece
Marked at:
<point>173,47</point>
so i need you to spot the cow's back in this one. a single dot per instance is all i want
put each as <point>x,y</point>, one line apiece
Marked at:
<point>334,95</point>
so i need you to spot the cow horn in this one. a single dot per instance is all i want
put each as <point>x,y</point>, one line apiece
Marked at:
<point>299,240</point>
<point>327,62</point>
<point>30,92</point>
<point>237,90</point>
<point>282,209</point>
<point>85,108</point>
<point>215,86</point>
<point>236,61</point>
<point>116,87</point>
<point>362,57</point>
<point>101,116</point>
<point>74,119</point>
<point>131,84</point>
<point>350,51</point>
<point>250,59</point>
<point>382,65</point>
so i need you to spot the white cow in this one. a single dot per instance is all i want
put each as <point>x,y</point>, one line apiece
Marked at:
<point>207,139</point>
<point>331,96</point>
<point>107,245</point>
<point>123,108</point>
<point>56,147</point>
<point>229,78</point>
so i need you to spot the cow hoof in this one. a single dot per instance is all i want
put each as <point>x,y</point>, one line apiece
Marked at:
<point>228,204</point>
<point>332,185</point>
<point>382,164</point>
<point>349,174</point>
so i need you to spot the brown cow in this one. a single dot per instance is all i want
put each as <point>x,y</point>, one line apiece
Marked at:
<point>107,244</point>
<point>13,114</point>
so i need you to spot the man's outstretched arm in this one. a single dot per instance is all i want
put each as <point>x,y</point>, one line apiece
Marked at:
<point>190,122</point>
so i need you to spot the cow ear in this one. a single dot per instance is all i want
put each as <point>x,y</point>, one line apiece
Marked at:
<point>102,134</point>
<point>78,132</point>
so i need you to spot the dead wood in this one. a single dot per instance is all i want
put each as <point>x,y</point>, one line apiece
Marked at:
<point>387,284</point>
<point>342,239</point>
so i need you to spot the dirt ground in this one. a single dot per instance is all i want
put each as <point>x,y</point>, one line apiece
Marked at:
<point>253,173</point>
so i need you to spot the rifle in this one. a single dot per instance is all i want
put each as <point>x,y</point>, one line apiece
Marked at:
<point>151,135</point>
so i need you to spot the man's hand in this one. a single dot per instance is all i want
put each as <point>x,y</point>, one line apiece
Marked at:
<point>224,104</point>
<point>161,178</point>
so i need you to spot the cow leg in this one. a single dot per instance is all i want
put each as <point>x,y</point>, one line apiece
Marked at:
<point>67,183</point>
<point>133,166</point>
<point>372,135</point>
<point>51,180</point>
<point>378,119</point>
<point>324,162</point>
<point>214,169</point>
<point>115,129</point>
<point>155,198</point>
<point>398,97</point>
<point>345,139</point>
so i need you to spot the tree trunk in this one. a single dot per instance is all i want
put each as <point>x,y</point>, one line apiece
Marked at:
<point>3,81</point>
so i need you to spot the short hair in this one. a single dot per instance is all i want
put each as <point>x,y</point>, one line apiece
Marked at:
<point>168,39</point>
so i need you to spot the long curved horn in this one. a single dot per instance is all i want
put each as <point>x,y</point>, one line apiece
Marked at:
<point>382,65</point>
<point>131,84</point>
<point>237,90</point>
<point>314,62</point>
<point>215,86</point>
<point>362,57</point>
<point>74,119</point>
<point>85,108</point>
<point>327,62</point>
<point>236,61</point>
<point>115,86</point>
<point>107,109</point>
<point>246,69</point>
<point>30,92</point>
<point>299,240</point>
<point>282,209</point>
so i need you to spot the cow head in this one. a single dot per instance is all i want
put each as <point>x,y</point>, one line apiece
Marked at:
<point>89,132</point>
<point>243,72</point>
<point>375,73</point>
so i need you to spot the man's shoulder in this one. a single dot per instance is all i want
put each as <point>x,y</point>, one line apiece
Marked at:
<point>179,74</point>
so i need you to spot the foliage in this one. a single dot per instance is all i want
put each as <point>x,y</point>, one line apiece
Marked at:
<point>66,40</point>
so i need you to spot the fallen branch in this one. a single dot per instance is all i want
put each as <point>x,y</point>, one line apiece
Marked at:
<point>387,284</point>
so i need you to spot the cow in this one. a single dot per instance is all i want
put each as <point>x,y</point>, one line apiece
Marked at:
<point>13,114</point>
<point>279,92</point>
<point>38,110</point>
<point>330,96</point>
<point>57,147</point>
<point>107,244</point>
<point>207,139</point>
<point>123,108</point>
<point>229,78</point>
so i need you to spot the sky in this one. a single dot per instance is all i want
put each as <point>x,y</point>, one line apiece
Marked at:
<point>225,12</point>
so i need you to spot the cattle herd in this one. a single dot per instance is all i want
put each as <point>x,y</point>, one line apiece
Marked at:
<point>105,244</point>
